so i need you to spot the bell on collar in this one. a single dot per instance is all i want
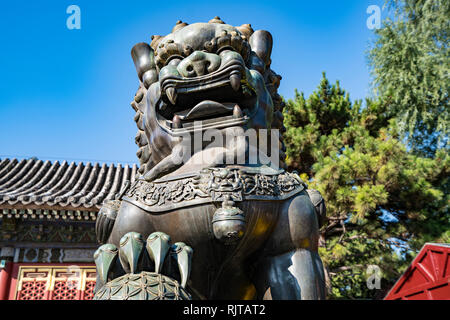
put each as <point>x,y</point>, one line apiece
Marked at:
<point>228,223</point>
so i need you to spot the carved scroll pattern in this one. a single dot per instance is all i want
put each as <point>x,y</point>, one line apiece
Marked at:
<point>214,184</point>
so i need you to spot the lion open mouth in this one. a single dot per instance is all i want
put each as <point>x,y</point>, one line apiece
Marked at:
<point>221,99</point>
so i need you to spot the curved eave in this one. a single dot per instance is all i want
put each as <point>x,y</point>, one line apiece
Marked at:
<point>33,184</point>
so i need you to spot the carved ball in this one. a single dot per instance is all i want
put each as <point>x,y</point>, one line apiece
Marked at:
<point>142,286</point>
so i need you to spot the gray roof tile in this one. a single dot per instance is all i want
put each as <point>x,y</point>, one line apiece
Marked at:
<point>74,186</point>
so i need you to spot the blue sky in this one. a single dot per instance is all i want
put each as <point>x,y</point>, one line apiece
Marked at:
<point>65,94</point>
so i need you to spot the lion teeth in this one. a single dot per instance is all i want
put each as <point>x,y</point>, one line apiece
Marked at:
<point>237,112</point>
<point>235,80</point>
<point>176,122</point>
<point>172,95</point>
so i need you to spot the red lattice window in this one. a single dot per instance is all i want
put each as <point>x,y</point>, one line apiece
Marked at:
<point>88,293</point>
<point>65,290</point>
<point>54,282</point>
<point>32,290</point>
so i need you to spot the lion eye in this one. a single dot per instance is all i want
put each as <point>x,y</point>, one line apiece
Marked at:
<point>169,51</point>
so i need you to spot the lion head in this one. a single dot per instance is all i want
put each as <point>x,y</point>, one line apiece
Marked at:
<point>208,73</point>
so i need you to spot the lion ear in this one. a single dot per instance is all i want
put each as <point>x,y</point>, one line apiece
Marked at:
<point>261,43</point>
<point>144,61</point>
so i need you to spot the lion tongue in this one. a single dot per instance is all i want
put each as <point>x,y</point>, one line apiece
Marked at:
<point>206,109</point>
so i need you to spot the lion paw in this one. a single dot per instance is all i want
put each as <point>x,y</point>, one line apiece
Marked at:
<point>133,271</point>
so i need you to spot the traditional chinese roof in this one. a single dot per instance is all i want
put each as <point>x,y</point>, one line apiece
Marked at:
<point>76,189</point>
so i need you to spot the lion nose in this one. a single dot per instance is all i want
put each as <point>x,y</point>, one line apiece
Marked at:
<point>198,64</point>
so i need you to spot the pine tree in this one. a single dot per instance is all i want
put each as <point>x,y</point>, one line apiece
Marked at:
<point>410,63</point>
<point>383,201</point>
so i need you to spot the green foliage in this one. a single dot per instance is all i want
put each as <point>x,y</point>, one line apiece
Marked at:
<point>354,156</point>
<point>410,65</point>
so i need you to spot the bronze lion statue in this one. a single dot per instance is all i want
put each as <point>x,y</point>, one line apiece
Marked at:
<point>242,228</point>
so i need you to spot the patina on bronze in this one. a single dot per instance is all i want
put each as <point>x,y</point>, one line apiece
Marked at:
<point>253,228</point>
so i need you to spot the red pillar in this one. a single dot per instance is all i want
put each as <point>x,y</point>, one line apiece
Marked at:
<point>5,279</point>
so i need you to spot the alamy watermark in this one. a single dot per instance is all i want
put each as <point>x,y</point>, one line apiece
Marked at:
<point>232,145</point>
<point>374,20</point>
<point>374,277</point>
<point>74,279</point>
<point>74,20</point>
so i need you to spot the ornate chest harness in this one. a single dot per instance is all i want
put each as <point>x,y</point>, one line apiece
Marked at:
<point>223,186</point>
<point>214,185</point>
